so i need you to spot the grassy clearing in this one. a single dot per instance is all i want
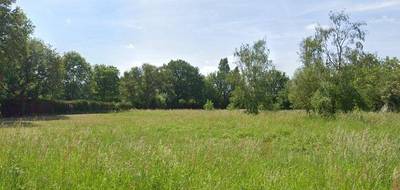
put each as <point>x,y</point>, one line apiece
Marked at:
<point>200,150</point>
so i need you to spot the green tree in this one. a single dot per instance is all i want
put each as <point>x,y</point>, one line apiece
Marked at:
<point>277,89</point>
<point>307,79</point>
<point>254,65</point>
<point>369,78</point>
<point>390,90</point>
<point>47,71</point>
<point>341,39</point>
<point>15,31</point>
<point>78,77</point>
<point>221,83</point>
<point>210,91</point>
<point>329,61</point>
<point>142,87</point>
<point>151,87</point>
<point>131,87</point>
<point>184,85</point>
<point>106,79</point>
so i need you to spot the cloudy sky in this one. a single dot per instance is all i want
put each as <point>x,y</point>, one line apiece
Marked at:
<point>127,33</point>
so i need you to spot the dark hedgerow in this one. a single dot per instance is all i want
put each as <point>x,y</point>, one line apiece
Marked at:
<point>16,108</point>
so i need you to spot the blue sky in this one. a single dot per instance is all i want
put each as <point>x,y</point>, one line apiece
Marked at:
<point>127,33</point>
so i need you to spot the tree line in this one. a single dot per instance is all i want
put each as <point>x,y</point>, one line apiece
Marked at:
<point>336,75</point>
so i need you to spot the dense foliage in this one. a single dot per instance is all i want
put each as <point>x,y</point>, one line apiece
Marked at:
<point>336,75</point>
<point>14,108</point>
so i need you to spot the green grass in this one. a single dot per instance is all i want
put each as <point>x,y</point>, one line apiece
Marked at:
<point>200,150</point>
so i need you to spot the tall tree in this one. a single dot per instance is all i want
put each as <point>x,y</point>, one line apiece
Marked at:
<point>254,65</point>
<point>277,89</point>
<point>106,80</point>
<point>341,39</point>
<point>185,85</point>
<point>151,87</point>
<point>78,75</point>
<point>222,84</point>
<point>15,31</point>
<point>390,89</point>
<point>307,79</point>
<point>329,56</point>
<point>143,87</point>
<point>46,71</point>
<point>131,87</point>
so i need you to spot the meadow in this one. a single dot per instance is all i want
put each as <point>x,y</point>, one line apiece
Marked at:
<point>187,149</point>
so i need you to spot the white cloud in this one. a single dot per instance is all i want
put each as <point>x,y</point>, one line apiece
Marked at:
<point>68,21</point>
<point>376,5</point>
<point>208,69</point>
<point>384,19</point>
<point>311,27</point>
<point>130,46</point>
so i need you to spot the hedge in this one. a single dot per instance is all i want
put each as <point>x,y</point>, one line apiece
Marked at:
<point>17,108</point>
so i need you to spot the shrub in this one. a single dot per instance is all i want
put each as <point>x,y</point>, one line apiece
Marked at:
<point>123,106</point>
<point>209,105</point>
<point>391,96</point>
<point>231,107</point>
<point>322,104</point>
<point>16,108</point>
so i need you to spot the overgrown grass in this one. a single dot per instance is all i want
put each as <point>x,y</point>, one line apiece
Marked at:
<point>200,150</point>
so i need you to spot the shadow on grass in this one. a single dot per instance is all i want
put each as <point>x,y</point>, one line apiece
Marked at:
<point>28,121</point>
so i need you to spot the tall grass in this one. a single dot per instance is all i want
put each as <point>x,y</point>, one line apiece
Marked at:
<point>201,150</point>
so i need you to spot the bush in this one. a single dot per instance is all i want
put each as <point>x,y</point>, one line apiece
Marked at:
<point>231,107</point>
<point>322,104</point>
<point>391,96</point>
<point>17,108</point>
<point>209,105</point>
<point>123,106</point>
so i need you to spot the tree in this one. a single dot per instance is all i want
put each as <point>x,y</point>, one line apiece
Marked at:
<point>15,31</point>
<point>210,91</point>
<point>46,71</point>
<point>235,80</point>
<point>341,39</point>
<point>222,84</point>
<point>328,71</point>
<point>219,85</point>
<point>277,84</point>
<point>390,90</point>
<point>131,87</point>
<point>151,87</point>
<point>184,85</point>
<point>369,78</point>
<point>341,42</point>
<point>143,87</point>
<point>78,75</point>
<point>306,81</point>
<point>106,79</point>
<point>254,65</point>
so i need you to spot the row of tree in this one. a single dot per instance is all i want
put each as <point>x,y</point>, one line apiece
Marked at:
<point>31,69</point>
<point>336,75</point>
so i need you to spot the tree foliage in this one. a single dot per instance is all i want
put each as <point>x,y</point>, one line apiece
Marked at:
<point>336,75</point>
<point>15,31</point>
<point>78,77</point>
<point>106,79</point>
<point>185,85</point>
<point>254,65</point>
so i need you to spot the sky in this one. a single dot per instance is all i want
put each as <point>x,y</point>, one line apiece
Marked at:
<point>128,33</point>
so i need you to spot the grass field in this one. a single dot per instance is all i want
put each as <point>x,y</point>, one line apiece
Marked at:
<point>200,150</point>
